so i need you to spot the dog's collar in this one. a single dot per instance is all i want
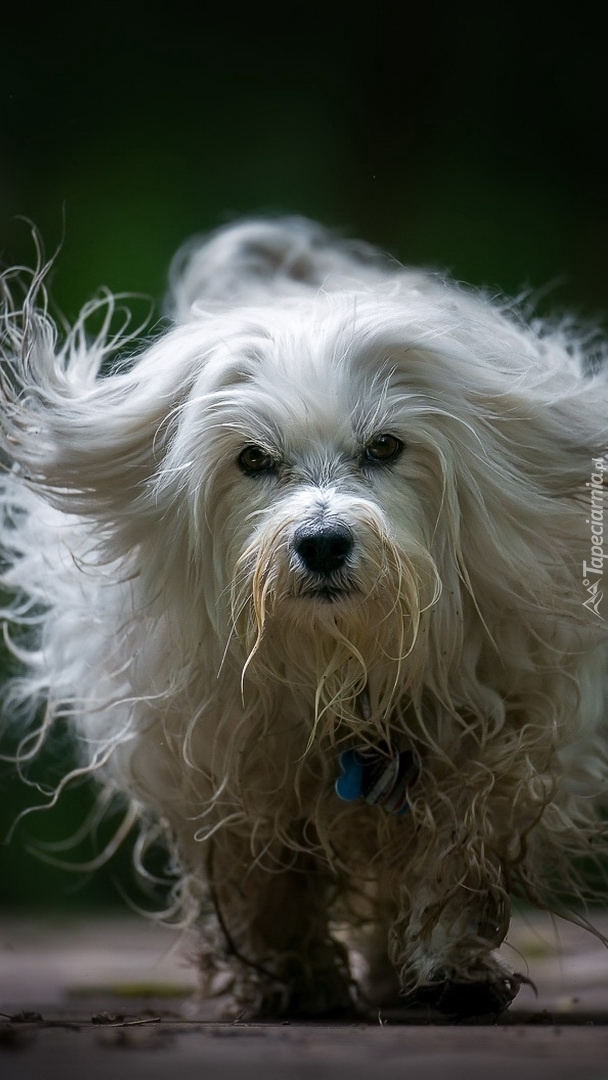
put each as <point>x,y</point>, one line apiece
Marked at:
<point>378,776</point>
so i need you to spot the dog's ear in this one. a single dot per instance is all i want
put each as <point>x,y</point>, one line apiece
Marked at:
<point>552,438</point>
<point>87,442</point>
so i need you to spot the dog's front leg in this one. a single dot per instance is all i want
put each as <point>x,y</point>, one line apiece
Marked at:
<point>273,919</point>
<point>443,943</point>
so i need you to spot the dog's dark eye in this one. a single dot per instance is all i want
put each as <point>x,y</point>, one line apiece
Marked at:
<point>383,448</point>
<point>254,459</point>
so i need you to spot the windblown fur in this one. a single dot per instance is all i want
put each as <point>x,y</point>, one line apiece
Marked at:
<point>335,505</point>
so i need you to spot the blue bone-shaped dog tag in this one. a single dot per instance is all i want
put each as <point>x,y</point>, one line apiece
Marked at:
<point>376,777</point>
<point>349,785</point>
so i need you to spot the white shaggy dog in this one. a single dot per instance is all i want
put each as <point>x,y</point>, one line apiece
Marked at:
<point>317,576</point>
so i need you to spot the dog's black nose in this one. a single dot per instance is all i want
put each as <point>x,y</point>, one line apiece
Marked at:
<point>323,549</point>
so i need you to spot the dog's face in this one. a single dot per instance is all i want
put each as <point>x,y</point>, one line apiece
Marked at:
<point>320,454</point>
<point>304,460</point>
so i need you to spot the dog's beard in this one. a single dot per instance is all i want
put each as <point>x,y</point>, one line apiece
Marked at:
<point>353,641</point>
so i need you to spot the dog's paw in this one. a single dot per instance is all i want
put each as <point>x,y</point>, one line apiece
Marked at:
<point>321,998</point>
<point>323,994</point>
<point>460,999</point>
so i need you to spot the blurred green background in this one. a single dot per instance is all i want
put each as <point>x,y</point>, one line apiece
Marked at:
<point>468,139</point>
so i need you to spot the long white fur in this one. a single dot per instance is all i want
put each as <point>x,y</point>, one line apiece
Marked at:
<point>160,605</point>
